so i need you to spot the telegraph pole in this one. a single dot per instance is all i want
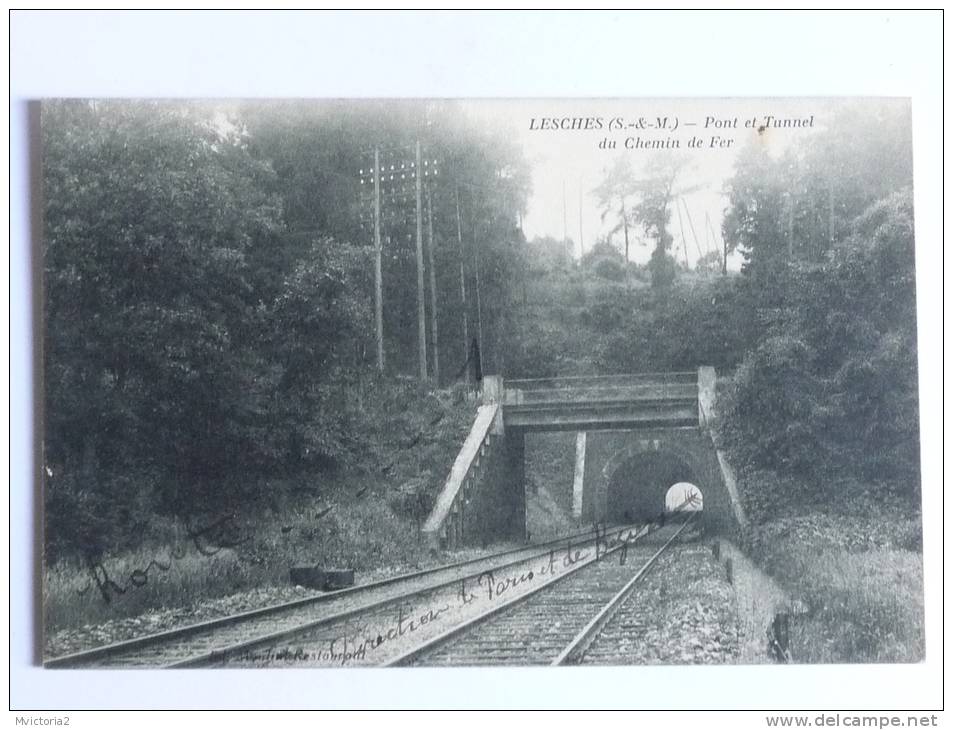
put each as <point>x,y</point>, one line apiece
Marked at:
<point>691,226</point>
<point>565,227</point>
<point>463,281</point>
<point>421,309</point>
<point>790,226</point>
<point>709,235</point>
<point>378,287</point>
<point>580,219</point>
<point>681,229</point>
<point>394,188</point>
<point>476,273</point>
<point>830,214</point>
<point>625,231</point>
<point>433,291</point>
<point>724,258</point>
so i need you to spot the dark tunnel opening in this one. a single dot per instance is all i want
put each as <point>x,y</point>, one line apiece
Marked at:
<point>639,486</point>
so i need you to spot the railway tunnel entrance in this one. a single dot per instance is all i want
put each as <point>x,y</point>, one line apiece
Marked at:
<point>636,436</point>
<point>639,487</point>
<point>638,472</point>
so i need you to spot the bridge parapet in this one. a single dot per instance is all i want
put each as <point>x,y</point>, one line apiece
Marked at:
<point>600,388</point>
<point>643,400</point>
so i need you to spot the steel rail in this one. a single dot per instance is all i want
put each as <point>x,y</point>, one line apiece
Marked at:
<point>87,656</point>
<point>575,650</point>
<point>65,660</point>
<point>411,654</point>
<point>222,653</point>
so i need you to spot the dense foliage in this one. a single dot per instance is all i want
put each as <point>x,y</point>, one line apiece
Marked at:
<point>818,333</point>
<point>831,387</point>
<point>209,297</point>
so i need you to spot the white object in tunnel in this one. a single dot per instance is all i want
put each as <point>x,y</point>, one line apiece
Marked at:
<point>683,496</point>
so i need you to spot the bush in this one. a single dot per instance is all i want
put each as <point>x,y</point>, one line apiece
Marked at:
<point>601,250</point>
<point>603,317</point>
<point>534,358</point>
<point>639,273</point>
<point>663,269</point>
<point>832,389</point>
<point>610,269</point>
<point>775,396</point>
<point>682,328</point>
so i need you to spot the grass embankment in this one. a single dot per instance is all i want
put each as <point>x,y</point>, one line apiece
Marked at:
<point>365,516</point>
<point>855,565</point>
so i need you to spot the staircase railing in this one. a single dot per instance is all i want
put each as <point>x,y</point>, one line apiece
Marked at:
<point>444,525</point>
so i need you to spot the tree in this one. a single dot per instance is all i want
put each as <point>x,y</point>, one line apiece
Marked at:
<point>797,206</point>
<point>317,149</point>
<point>827,234</point>
<point>152,214</point>
<point>653,214</point>
<point>758,198</point>
<point>611,194</point>
<point>189,346</point>
<point>832,389</point>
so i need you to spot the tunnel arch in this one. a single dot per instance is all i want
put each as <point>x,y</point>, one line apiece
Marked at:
<point>636,478</point>
<point>607,450</point>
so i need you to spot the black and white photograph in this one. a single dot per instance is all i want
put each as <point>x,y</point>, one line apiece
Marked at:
<point>473,382</point>
<point>471,359</point>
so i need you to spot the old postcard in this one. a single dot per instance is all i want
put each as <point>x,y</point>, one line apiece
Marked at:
<point>353,383</point>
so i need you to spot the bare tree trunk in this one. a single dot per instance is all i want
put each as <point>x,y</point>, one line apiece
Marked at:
<point>421,307</point>
<point>681,230</point>
<point>476,274</point>
<point>378,285</point>
<point>433,291</point>
<point>463,284</point>
<point>691,227</point>
<point>625,232</point>
<point>830,215</point>
<point>790,228</point>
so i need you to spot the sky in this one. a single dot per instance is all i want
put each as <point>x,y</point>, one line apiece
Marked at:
<point>568,163</point>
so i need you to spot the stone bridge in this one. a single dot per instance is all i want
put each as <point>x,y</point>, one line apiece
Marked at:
<point>636,436</point>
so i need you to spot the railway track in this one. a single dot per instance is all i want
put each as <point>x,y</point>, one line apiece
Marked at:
<point>328,617</point>
<point>558,623</point>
